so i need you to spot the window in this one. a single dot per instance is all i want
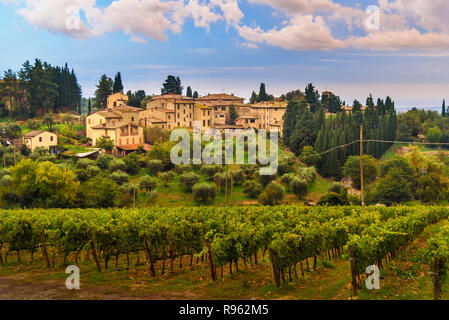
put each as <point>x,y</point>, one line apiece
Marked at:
<point>51,138</point>
<point>208,123</point>
<point>40,139</point>
<point>132,118</point>
<point>204,123</point>
<point>223,108</point>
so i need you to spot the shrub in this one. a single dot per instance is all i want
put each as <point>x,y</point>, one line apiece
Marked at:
<point>189,180</point>
<point>265,179</point>
<point>299,187</point>
<point>210,171</point>
<point>248,169</point>
<point>92,171</point>
<point>104,161</point>
<point>117,165</point>
<point>155,166</point>
<point>4,172</point>
<point>252,189</point>
<point>148,183</point>
<point>99,193</point>
<point>337,187</point>
<point>238,177</point>
<point>132,163</point>
<point>84,163</point>
<point>5,180</point>
<point>182,168</point>
<point>120,177</point>
<point>272,194</point>
<point>166,177</point>
<point>204,192</point>
<point>334,199</point>
<point>308,174</point>
<point>152,197</point>
<point>220,181</point>
<point>127,193</point>
<point>287,179</point>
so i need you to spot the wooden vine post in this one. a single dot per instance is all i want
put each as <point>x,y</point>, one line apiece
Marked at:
<point>353,272</point>
<point>276,271</point>
<point>94,252</point>
<point>44,249</point>
<point>150,257</point>
<point>211,261</point>
<point>436,278</point>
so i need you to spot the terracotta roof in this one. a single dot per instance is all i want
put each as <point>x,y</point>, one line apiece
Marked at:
<point>171,96</point>
<point>127,109</point>
<point>34,133</point>
<point>220,96</point>
<point>109,114</point>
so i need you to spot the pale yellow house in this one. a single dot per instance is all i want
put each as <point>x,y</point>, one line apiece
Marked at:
<point>41,139</point>
<point>204,114</point>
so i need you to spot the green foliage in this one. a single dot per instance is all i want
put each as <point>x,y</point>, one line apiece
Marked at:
<point>132,163</point>
<point>309,157</point>
<point>166,177</point>
<point>210,171</point>
<point>299,187</point>
<point>189,180</point>
<point>148,183</point>
<point>272,194</point>
<point>172,86</point>
<point>104,161</point>
<point>104,90</point>
<point>120,177</point>
<point>84,163</point>
<point>252,189</point>
<point>433,135</point>
<point>337,187</point>
<point>204,193</point>
<point>99,192</point>
<point>238,177</point>
<point>43,184</point>
<point>352,170</point>
<point>287,179</point>
<point>105,144</point>
<point>117,165</point>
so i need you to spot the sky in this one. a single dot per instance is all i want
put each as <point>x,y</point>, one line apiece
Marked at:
<point>397,48</point>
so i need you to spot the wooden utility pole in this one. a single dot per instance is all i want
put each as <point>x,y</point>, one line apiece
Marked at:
<point>227,175</point>
<point>361,169</point>
<point>353,271</point>
<point>436,278</point>
<point>134,191</point>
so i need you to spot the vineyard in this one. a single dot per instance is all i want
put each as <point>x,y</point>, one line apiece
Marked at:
<point>222,239</point>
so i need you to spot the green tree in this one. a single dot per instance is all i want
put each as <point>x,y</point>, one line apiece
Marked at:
<point>105,144</point>
<point>433,135</point>
<point>254,98</point>
<point>443,109</point>
<point>299,188</point>
<point>118,85</point>
<point>99,192</point>
<point>233,114</point>
<point>172,85</point>
<point>195,95</point>
<point>309,157</point>
<point>272,195</point>
<point>204,193</point>
<point>352,170</point>
<point>49,121</point>
<point>262,93</point>
<point>104,90</point>
<point>189,92</point>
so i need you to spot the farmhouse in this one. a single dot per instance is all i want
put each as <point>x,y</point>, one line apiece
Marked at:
<point>41,139</point>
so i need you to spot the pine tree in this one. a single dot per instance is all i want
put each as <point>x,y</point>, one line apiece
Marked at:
<point>118,85</point>
<point>253,98</point>
<point>104,89</point>
<point>195,95</point>
<point>172,85</point>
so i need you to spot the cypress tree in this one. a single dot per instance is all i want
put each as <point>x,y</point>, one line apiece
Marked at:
<point>118,85</point>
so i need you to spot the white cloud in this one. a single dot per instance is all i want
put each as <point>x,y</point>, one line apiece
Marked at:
<point>308,24</point>
<point>302,33</point>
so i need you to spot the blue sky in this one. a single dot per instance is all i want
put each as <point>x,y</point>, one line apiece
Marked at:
<point>214,48</point>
